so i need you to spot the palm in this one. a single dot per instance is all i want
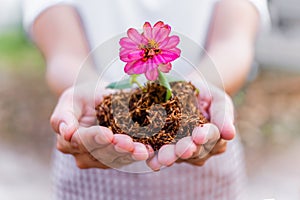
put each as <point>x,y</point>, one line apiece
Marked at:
<point>88,117</point>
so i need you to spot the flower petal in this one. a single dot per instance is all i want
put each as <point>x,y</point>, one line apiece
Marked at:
<point>170,54</point>
<point>165,67</point>
<point>128,43</point>
<point>124,51</point>
<point>140,67</point>
<point>158,59</point>
<point>172,42</point>
<point>135,36</point>
<point>158,24</point>
<point>129,68</point>
<point>160,34</point>
<point>129,55</point>
<point>176,51</point>
<point>135,55</point>
<point>135,67</point>
<point>124,54</point>
<point>152,71</point>
<point>147,30</point>
<point>147,24</point>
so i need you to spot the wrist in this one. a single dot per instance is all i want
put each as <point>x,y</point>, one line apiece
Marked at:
<point>65,71</point>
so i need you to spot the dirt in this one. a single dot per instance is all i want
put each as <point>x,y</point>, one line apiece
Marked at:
<point>147,117</point>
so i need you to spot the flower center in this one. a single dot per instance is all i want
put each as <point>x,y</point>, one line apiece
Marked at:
<point>150,50</point>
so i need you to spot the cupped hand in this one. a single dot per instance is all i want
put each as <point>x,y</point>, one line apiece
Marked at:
<point>206,140</point>
<point>74,119</point>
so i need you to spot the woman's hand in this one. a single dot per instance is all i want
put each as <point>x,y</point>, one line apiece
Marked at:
<point>74,120</point>
<point>98,147</point>
<point>207,140</point>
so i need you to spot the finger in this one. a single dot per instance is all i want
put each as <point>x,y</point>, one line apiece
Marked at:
<point>68,112</point>
<point>140,151</point>
<point>84,161</point>
<point>204,107</point>
<point>65,147</point>
<point>185,148</point>
<point>198,153</point>
<point>121,161</point>
<point>107,154</point>
<point>179,160</point>
<point>153,163</point>
<point>167,155</point>
<point>151,151</point>
<point>199,157</point>
<point>123,143</point>
<point>110,157</point>
<point>198,161</point>
<point>222,114</point>
<point>92,138</point>
<point>205,133</point>
<point>220,147</point>
<point>67,130</point>
<point>105,136</point>
<point>202,155</point>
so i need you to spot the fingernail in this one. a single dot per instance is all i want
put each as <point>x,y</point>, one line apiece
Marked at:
<point>198,136</point>
<point>62,127</point>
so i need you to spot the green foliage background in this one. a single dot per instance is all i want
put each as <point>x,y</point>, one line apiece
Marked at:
<point>18,52</point>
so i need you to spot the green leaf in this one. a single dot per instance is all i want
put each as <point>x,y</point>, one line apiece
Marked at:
<point>124,84</point>
<point>164,82</point>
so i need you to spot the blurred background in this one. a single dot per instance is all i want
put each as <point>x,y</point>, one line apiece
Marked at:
<point>268,111</point>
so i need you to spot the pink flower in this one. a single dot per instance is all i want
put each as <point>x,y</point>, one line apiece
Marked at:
<point>150,51</point>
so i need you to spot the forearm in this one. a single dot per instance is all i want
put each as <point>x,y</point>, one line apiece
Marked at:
<point>60,37</point>
<point>227,65</point>
<point>230,46</point>
<point>63,71</point>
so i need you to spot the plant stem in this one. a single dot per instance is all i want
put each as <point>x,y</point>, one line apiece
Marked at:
<point>133,79</point>
<point>164,82</point>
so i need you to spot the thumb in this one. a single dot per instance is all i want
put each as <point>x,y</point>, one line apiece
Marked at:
<point>65,117</point>
<point>222,114</point>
